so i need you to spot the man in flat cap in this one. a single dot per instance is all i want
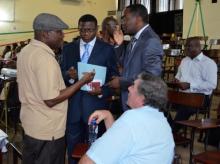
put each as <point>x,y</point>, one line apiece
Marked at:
<point>43,94</point>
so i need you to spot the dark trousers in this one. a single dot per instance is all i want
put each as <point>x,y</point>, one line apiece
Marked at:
<point>43,152</point>
<point>75,133</point>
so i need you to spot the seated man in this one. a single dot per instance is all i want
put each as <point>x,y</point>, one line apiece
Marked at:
<point>141,135</point>
<point>197,73</point>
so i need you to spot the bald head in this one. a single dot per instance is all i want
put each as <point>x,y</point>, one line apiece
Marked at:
<point>193,47</point>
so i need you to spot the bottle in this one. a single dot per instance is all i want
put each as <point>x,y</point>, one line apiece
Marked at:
<point>93,131</point>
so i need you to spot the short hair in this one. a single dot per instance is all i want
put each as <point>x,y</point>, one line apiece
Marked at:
<point>139,10</point>
<point>88,18</point>
<point>154,89</point>
<point>194,38</point>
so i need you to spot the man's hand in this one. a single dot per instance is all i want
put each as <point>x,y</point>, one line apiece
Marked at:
<point>114,83</point>
<point>100,115</point>
<point>184,85</point>
<point>87,77</point>
<point>72,73</point>
<point>118,36</point>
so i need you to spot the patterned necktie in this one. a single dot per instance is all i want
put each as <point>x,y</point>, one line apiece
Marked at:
<point>85,55</point>
<point>129,48</point>
<point>131,45</point>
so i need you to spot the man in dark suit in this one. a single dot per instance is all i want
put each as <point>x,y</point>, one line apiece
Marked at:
<point>87,49</point>
<point>143,53</point>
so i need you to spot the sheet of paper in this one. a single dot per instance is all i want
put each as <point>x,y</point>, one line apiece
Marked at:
<point>100,75</point>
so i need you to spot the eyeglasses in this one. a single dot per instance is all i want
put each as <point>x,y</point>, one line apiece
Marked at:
<point>88,30</point>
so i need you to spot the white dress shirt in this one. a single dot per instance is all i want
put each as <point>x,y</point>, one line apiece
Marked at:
<point>200,72</point>
<point>82,50</point>
<point>82,47</point>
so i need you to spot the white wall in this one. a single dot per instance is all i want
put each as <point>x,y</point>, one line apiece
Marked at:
<point>211,14</point>
<point>68,10</point>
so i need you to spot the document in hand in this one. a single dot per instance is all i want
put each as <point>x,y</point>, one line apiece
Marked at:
<point>100,75</point>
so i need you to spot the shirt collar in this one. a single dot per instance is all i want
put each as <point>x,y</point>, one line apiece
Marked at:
<point>137,35</point>
<point>147,107</point>
<point>91,43</point>
<point>199,57</point>
<point>43,45</point>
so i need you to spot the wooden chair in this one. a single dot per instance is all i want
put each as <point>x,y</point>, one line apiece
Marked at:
<point>193,100</point>
<point>186,99</point>
<point>203,124</point>
<point>208,157</point>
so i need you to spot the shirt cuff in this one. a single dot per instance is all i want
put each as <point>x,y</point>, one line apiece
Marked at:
<point>100,96</point>
<point>192,87</point>
<point>71,81</point>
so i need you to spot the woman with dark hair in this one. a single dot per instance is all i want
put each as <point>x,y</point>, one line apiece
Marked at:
<point>111,33</point>
<point>109,25</point>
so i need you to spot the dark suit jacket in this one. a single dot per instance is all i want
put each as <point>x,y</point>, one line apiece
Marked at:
<point>82,104</point>
<point>146,56</point>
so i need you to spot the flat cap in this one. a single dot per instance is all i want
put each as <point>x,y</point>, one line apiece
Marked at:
<point>48,22</point>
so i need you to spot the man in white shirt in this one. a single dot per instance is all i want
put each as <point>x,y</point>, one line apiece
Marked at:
<point>141,135</point>
<point>197,73</point>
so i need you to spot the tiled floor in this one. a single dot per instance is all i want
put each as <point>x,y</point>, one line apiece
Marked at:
<point>184,151</point>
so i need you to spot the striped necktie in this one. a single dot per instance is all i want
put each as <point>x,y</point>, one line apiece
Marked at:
<point>131,44</point>
<point>129,49</point>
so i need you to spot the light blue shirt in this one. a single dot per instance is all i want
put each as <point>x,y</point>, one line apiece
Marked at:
<point>200,72</point>
<point>82,47</point>
<point>139,136</point>
<point>82,50</point>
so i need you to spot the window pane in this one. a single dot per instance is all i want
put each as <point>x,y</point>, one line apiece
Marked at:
<point>6,10</point>
<point>122,4</point>
<point>162,5</point>
<point>179,4</point>
<point>172,4</point>
<point>176,4</point>
<point>127,3</point>
<point>146,3</point>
